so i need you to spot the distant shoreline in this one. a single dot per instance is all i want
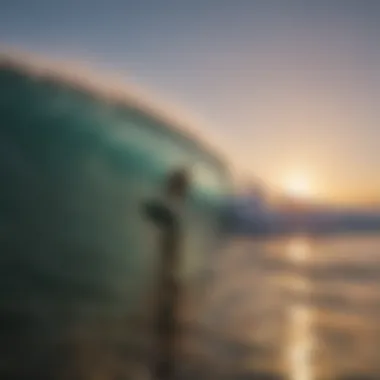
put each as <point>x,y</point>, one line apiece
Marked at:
<point>305,233</point>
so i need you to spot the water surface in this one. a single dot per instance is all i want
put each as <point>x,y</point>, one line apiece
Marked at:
<point>297,308</point>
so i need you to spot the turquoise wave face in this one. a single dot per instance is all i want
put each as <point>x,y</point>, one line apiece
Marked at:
<point>74,170</point>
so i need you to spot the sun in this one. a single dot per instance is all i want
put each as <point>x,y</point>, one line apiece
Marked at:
<point>298,186</point>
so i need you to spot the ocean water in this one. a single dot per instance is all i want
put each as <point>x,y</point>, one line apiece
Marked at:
<point>296,308</point>
<point>79,258</point>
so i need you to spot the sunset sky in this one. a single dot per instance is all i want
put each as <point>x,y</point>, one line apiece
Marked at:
<point>292,87</point>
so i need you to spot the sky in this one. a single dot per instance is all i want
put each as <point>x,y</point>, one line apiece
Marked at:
<point>291,87</point>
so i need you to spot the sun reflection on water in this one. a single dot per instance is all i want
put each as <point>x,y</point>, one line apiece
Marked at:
<point>298,250</point>
<point>300,345</point>
<point>298,355</point>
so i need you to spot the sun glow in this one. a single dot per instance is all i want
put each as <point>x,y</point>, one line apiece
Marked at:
<point>298,186</point>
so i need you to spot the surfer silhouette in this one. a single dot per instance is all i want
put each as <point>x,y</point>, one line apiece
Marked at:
<point>166,214</point>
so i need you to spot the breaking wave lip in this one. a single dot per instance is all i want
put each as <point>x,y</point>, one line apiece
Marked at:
<point>108,88</point>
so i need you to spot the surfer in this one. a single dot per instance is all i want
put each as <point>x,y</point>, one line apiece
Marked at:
<point>167,215</point>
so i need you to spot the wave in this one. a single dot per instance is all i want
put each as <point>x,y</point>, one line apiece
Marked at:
<point>114,91</point>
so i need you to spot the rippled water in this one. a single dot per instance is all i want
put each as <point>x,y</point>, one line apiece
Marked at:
<point>296,308</point>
